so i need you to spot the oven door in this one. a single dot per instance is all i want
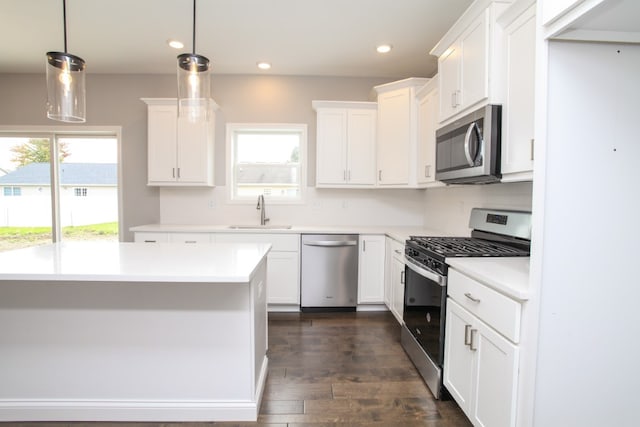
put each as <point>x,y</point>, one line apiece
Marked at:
<point>424,308</point>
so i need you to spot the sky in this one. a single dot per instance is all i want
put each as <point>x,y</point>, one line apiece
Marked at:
<point>82,150</point>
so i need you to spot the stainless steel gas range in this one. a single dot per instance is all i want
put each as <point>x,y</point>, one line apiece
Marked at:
<point>495,233</point>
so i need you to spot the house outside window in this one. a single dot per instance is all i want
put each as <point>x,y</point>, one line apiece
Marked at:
<point>81,192</point>
<point>268,160</point>
<point>12,191</point>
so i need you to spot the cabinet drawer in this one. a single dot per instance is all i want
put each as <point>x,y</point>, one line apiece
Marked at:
<point>397,250</point>
<point>190,238</point>
<point>279,242</point>
<point>151,237</point>
<point>499,311</point>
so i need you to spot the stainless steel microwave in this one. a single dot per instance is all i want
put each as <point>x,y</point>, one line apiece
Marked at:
<point>468,150</point>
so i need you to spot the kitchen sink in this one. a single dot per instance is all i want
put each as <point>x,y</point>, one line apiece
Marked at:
<point>260,227</point>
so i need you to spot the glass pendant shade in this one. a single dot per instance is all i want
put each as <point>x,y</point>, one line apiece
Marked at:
<point>194,86</point>
<point>66,88</point>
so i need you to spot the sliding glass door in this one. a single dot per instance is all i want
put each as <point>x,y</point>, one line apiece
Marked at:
<point>57,187</point>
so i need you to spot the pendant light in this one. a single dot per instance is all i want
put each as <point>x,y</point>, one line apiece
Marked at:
<point>194,82</point>
<point>65,83</point>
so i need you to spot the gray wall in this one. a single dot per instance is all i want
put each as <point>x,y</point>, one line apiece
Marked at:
<point>114,100</point>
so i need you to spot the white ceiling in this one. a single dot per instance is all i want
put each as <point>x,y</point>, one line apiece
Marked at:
<point>299,37</point>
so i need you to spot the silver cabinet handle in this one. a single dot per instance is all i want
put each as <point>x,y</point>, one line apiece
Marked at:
<point>344,175</point>
<point>402,277</point>
<point>150,241</point>
<point>190,241</point>
<point>467,334</point>
<point>380,175</point>
<point>173,172</point>
<point>427,171</point>
<point>398,251</point>
<point>364,246</point>
<point>178,172</point>
<point>532,144</point>
<point>349,175</point>
<point>453,99</point>
<point>472,341</point>
<point>472,298</point>
<point>330,243</point>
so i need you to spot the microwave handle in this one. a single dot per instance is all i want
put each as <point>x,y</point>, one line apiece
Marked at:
<point>467,143</point>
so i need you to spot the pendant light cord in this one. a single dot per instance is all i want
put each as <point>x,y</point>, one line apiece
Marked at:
<point>64,19</point>
<point>194,27</point>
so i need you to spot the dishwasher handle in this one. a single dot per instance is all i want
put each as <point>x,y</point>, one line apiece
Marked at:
<point>330,243</point>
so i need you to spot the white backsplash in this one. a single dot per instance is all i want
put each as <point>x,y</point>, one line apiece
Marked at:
<point>448,208</point>
<point>321,207</point>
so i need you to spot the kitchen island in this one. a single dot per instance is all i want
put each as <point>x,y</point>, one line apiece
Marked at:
<point>97,331</point>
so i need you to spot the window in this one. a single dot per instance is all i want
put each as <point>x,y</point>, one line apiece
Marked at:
<point>68,183</point>
<point>268,160</point>
<point>12,191</point>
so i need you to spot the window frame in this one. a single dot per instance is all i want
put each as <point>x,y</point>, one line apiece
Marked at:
<point>54,133</point>
<point>233,128</point>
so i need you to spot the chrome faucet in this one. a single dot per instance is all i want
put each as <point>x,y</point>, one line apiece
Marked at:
<point>261,208</point>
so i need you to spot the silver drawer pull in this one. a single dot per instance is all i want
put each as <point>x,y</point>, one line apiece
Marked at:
<point>397,251</point>
<point>150,241</point>
<point>468,295</point>
<point>190,241</point>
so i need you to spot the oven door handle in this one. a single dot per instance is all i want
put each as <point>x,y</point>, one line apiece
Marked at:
<point>440,280</point>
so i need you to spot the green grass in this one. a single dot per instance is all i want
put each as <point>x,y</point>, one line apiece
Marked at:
<point>20,237</point>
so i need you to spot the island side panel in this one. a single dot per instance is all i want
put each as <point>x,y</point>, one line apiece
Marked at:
<point>259,333</point>
<point>133,345</point>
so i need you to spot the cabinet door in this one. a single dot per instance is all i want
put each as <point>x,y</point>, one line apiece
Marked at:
<point>283,278</point>
<point>518,111</point>
<point>474,62</point>
<point>495,379</point>
<point>394,134</point>
<point>458,357</point>
<point>427,122</point>
<point>331,146</point>
<point>361,147</point>
<point>397,293</point>
<point>371,270</point>
<point>161,143</point>
<point>449,81</point>
<point>195,151</point>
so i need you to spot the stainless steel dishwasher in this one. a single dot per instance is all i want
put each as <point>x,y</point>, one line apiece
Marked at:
<point>329,273</point>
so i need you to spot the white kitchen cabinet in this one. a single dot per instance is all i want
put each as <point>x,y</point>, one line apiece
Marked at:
<point>150,237</point>
<point>371,269</point>
<point>481,351</point>
<point>554,9</point>
<point>518,110</point>
<point>394,277</point>
<point>283,265</point>
<point>180,152</point>
<point>190,238</point>
<point>469,61</point>
<point>427,97</point>
<point>345,144</point>
<point>397,148</point>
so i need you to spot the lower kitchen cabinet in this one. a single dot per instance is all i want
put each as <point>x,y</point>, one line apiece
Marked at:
<point>371,269</point>
<point>480,366</point>
<point>394,278</point>
<point>283,264</point>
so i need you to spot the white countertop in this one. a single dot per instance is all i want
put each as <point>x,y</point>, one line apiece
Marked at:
<point>127,262</point>
<point>399,233</point>
<point>509,275</point>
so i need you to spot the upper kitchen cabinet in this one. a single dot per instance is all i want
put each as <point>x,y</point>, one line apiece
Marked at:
<point>427,98</point>
<point>397,149</point>
<point>469,60</point>
<point>519,23</point>
<point>345,144</point>
<point>180,152</point>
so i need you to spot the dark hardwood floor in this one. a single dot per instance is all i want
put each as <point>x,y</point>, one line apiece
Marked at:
<point>334,370</point>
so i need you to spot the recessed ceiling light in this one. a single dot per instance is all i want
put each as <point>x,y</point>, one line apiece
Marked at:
<point>264,65</point>
<point>175,44</point>
<point>384,48</point>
